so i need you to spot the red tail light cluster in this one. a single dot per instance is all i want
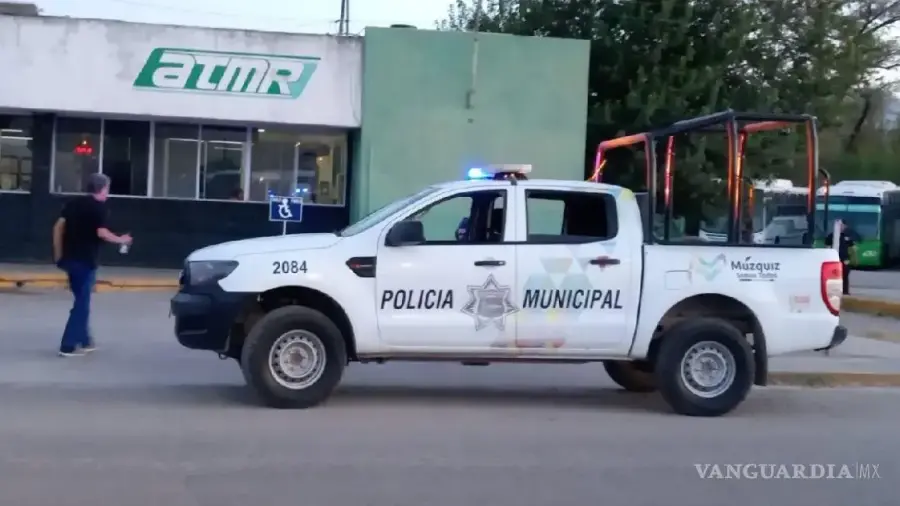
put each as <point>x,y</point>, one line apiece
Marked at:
<point>832,284</point>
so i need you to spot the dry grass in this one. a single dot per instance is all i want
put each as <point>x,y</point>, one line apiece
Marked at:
<point>130,285</point>
<point>875,307</point>
<point>832,380</point>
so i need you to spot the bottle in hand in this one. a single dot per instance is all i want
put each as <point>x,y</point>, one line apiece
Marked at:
<point>126,245</point>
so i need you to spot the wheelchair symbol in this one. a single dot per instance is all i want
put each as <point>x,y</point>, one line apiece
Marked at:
<point>284,210</point>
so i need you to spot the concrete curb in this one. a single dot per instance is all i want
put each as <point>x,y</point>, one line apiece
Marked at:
<point>834,379</point>
<point>59,282</point>
<point>877,307</point>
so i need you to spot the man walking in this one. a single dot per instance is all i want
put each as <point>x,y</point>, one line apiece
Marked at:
<point>77,235</point>
<point>845,247</point>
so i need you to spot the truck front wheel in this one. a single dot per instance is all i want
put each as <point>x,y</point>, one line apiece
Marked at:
<point>630,375</point>
<point>293,357</point>
<point>704,367</point>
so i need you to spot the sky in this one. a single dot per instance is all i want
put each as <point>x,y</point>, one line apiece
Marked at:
<point>293,16</point>
<point>297,16</point>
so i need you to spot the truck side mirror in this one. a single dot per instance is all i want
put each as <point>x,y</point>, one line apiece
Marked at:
<point>405,233</point>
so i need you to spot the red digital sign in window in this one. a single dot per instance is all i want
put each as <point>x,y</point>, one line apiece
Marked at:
<point>84,149</point>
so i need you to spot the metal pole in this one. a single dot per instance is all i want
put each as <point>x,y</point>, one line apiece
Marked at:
<point>478,8</point>
<point>836,235</point>
<point>344,21</point>
<point>734,182</point>
<point>283,228</point>
<point>827,176</point>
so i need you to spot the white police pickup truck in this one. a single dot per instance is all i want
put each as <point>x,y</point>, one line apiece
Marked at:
<point>507,269</point>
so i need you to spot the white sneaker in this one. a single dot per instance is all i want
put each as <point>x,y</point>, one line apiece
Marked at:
<point>76,353</point>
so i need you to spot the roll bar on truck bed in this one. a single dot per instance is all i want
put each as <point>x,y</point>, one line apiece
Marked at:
<point>736,126</point>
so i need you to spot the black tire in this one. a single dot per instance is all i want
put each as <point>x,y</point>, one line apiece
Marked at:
<point>678,341</point>
<point>258,345</point>
<point>630,376</point>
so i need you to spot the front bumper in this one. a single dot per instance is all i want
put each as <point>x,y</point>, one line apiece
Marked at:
<point>837,337</point>
<point>204,316</point>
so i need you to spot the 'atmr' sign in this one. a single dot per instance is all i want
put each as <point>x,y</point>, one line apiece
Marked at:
<point>265,75</point>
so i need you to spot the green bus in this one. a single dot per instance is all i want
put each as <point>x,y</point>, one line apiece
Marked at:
<point>871,210</point>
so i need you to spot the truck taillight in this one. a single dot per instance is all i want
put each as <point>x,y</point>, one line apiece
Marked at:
<point>832,281</point>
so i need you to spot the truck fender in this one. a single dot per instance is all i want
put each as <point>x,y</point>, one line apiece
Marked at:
<point>716,305</point>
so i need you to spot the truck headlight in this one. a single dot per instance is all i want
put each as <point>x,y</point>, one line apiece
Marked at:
<point>208,271</point>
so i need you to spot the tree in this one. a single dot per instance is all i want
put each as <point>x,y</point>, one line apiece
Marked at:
<point>652,62</point>
<point>657,61</point>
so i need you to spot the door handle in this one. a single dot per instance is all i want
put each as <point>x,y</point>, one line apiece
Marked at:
<point>605,261</point>
<point>489,263</point>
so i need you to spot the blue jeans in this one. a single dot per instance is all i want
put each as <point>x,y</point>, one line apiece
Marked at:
<point>81,282</point>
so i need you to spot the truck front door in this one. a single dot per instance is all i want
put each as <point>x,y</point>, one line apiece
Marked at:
<point>456,290</point>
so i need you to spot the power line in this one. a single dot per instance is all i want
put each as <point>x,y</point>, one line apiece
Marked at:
<point>343,24</point>
<point>235,15</point>
<point>177,8</point>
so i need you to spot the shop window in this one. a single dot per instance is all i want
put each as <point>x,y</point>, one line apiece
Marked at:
<point>15,153</point>
<point>176,161</point>
<point>76,153</point>
<point>126,149</point>
<point>285,162</point>
<point>222,162</point>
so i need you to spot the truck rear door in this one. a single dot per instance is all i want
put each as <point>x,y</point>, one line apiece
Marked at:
<point>578,269</point>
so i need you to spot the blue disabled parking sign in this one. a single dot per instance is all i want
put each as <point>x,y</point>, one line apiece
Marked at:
<point>286,210</point>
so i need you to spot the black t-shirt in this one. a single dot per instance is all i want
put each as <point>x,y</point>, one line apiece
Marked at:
<point>83,215</point>
<point>843,246</point>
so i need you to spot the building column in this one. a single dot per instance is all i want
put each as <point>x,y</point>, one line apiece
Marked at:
<point>44,208</point>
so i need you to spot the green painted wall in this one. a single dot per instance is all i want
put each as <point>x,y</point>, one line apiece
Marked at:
<point>436,103</point>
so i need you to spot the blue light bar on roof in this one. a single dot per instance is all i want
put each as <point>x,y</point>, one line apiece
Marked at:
<point>477,173</point>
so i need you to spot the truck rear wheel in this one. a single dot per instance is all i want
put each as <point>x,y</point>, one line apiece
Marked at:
<point>293,357</point>
<point>704,367</point>
<point>630,376</point>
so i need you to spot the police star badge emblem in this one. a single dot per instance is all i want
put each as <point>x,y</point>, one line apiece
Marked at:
<point>489,304</point>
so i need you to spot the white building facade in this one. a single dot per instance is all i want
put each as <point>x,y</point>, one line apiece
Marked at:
<point>172,112</point>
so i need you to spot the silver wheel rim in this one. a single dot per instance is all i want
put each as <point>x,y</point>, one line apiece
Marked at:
<point>708,369</point>
<point>297,359</point>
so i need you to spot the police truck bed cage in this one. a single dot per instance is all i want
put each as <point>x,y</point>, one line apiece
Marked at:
<point>736,126</point>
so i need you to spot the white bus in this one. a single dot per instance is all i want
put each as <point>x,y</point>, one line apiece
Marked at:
<point>776,198</point>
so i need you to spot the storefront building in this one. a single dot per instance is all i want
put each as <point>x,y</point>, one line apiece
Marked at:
<point>198,127</point>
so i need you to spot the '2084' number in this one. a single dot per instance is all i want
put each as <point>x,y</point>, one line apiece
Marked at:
<point>288,267</point>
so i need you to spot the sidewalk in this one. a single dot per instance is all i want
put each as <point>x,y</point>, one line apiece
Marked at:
<point>108,278</point>
<point>856,354</point>
<point>859,361</point>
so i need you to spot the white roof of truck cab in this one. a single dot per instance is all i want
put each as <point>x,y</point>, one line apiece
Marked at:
<point>487,173</point>
<point>557,184</point>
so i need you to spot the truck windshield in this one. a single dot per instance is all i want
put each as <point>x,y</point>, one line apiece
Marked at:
<point>377,216</point>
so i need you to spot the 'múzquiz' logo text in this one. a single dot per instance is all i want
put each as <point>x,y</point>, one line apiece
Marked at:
<point>193,70</point>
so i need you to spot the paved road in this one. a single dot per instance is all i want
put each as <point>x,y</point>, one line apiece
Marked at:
<point>143,422</point>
